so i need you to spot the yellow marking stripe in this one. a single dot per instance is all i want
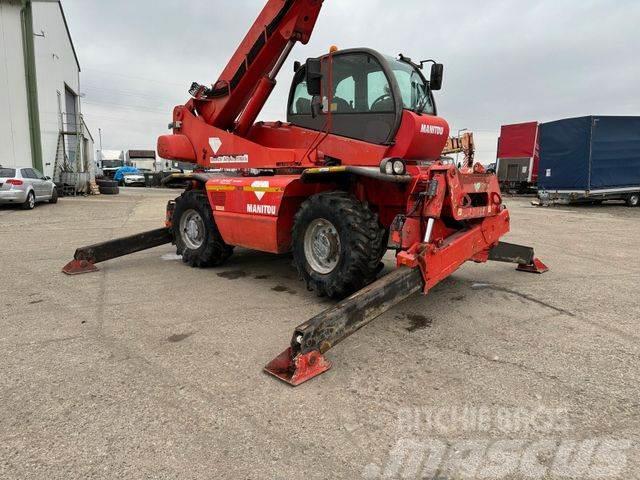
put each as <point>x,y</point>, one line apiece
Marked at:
<point>233,188</point>
<point>326,170</point>
<point>220,188</point>
<point>264,189</point>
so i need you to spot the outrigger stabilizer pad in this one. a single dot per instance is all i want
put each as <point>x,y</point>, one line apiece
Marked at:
<point>296,369</point>
<point>85,258</point>
<point>536,266</point>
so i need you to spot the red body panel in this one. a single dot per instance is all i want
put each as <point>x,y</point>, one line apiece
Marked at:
<point>278,145</point>
<point>420,137</point>
<point>258,212</point>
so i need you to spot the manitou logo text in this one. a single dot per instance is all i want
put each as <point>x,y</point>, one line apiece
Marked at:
<point>262,209</point>
<point>431,129</point>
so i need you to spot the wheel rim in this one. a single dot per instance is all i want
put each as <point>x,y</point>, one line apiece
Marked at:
<point>635,199</point>
<point>322,246</point>
<point>32,200</point>
<point>192,229</point>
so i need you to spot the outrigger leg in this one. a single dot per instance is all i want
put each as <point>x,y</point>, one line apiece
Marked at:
<point>85,258</point>
<point>523,256</point>
<point>305,359</point>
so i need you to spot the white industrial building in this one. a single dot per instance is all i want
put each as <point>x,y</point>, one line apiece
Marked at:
<point>41,123</point>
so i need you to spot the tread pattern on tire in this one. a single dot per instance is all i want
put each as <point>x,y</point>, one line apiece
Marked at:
<point>106,183</point>
<point>361,237</point>
<point>214,252</point>
<point>109,190</point>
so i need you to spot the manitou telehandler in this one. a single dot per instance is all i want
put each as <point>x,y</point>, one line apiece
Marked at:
<point>355,171</point>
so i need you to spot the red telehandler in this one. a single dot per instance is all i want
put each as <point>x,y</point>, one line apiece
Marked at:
<point>356,170</point>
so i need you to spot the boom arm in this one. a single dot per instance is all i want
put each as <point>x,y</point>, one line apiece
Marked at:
<point>244,86</point>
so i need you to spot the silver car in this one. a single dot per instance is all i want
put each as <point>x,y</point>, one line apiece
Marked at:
<point>131,179</point>
<point>26,187</point>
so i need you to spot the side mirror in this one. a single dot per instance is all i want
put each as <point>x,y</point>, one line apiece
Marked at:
<point>314,76</point>
<point>437,73</point>
<point>296,66</point>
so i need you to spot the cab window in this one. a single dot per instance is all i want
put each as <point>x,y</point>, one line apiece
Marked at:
<point>359,98</point>
<point>301,104</point>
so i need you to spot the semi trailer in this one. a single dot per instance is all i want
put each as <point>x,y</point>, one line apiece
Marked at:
<point>518,159</point>
<point>590,160</point>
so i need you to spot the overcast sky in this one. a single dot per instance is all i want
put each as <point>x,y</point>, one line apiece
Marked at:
<point>506,61</point>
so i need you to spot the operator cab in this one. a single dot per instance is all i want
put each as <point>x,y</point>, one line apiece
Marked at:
<point>360,94</point>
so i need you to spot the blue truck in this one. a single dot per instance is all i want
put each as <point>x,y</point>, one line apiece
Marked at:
<point>590,160</point>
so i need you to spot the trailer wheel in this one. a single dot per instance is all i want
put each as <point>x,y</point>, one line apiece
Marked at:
<point>337,244</point>
<point>196,235</point>
<point>633,200</point>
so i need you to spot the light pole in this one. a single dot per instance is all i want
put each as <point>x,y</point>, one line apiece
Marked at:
<point>458,137</point>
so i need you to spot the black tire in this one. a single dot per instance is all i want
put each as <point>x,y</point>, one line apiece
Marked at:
<point>633,200</point>
<point>30,202</point>
<point>106,183</point>
<point>109,190</point>
<point>360,244</point>
<point>212,250</point>
<point>54,196</point>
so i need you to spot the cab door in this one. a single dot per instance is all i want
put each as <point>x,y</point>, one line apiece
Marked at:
<point>358,98</point>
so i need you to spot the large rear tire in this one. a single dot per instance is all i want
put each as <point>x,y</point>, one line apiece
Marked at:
<point>196,235</point>
<point>337,244</point>
<point>633,200</point>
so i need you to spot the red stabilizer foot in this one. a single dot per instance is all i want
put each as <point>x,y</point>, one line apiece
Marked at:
<point>536,267</point>
<point>76,267</point>
<point>299,369</point>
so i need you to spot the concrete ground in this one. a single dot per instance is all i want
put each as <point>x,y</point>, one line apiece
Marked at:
<point>150,369</point>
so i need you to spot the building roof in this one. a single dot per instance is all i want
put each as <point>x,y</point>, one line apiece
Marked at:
<point>66,26</point>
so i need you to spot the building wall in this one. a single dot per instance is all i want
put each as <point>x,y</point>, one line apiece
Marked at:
<point>56,68</point>
<point>15,143</point>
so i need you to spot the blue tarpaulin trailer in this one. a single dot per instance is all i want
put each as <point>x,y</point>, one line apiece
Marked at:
<point>590,159</point>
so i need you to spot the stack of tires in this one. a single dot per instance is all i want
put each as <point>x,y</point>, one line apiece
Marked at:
<point>108,187</point>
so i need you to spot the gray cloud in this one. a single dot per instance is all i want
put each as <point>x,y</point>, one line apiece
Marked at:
<point>506,60</point>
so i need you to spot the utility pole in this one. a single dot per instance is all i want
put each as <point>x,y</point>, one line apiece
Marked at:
<point>100,135</point>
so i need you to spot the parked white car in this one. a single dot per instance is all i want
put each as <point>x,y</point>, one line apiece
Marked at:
<point>26,187</point>
<point>132,179</point>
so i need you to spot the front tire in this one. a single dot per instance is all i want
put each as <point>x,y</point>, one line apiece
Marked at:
<point>633,200</point>
<point>337,244</point>
<point>195,232</point>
